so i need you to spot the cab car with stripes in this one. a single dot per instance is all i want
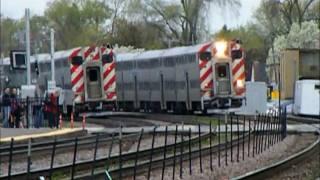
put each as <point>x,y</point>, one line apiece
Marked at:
<point>93,78</point>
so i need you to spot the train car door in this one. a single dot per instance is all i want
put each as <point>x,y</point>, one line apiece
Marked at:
<point>136,102</point>
<point>162,100</point>
<point>188,106</point>
<point>93,83</point>
<point>223,83</point>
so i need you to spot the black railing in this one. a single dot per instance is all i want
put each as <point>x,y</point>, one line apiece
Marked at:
<point>260,133</point>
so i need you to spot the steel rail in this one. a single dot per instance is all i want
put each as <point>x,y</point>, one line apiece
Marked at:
<point>279,166</point>
<point>83,165</point>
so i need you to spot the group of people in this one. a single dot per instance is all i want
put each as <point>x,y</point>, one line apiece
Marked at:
<point>12,110</point>
<point>15,111</point>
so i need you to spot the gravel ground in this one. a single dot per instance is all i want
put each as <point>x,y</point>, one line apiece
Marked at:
<point>114,122</point>
<point>290,145</point>
<point>82,155</point>
<point>308,169</point>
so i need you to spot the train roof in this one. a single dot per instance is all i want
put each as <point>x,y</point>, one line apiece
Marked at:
<point>176,51</point>
<point>45,57</point>
<point>152,54</point>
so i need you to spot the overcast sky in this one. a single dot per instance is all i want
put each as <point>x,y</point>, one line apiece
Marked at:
<point>16,8</point>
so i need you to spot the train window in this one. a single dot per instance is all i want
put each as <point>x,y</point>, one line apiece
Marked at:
<point>180,84</point>
<point>128,65</point>
<point>119,66</point>
<point>64,63</point>
<point>205,56</point>
<point>236,54</point>
<point>142,64</point>
<point>170,85</point>
<point>155,85</point>
<point>222,71</point>
<point>194,84</point>
<point>169,61</point>
<point>179,59</point>
<point>93,74</point>
<point>44,67</point>
<point>76,60</point>
<point>59,64</point>
<point>154,63</point>
<point>107,58</point>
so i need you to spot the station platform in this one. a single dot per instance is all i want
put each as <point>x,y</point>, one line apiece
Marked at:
<point>111,113</point>
<point>22,134</point>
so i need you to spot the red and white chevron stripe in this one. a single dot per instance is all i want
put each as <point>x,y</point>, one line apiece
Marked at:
<point>238,74</point>
<point>109,78</point>
<point>238,71</point>
<point>90,52</point>
<point>76,72</point>
<point>206,73</point>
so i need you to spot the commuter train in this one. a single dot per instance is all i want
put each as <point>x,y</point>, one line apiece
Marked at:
<point>181,79</point>
<point>193,78</point>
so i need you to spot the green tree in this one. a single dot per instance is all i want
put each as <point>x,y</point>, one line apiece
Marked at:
<point>137,34</point>
<point>77,23</point>
<point>301,36</point>
<point>12,35</point>
<point>180,21</point>
<point>277,17</point>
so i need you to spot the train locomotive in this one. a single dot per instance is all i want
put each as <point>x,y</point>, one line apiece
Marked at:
<point>181,79</point>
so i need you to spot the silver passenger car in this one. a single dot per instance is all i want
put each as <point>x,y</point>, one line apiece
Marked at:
<point>159,80</point>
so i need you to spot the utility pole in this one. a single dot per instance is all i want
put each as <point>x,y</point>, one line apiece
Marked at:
<point>1,58</point>
<point>27,19</point>
<point>52,55</point>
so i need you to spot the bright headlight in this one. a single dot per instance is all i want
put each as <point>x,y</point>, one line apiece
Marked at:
<point>240,83</point>
<point>221,48</point>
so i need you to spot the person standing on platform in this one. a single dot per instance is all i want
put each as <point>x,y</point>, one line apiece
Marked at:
<point>52,110</point>
<point>56,109</point>
<point>14,107</point>
<point>6,103</point>
<point>38,109</point>
<point>17,115</point>
<point>49,112</point>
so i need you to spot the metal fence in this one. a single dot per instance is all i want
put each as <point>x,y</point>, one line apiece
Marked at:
<point>241,138</point>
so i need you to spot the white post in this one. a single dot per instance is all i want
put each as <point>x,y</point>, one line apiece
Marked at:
<point>52,55</point>
<point>27,18</point>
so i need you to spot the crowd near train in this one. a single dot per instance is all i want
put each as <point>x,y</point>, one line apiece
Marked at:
<point>180,79</point>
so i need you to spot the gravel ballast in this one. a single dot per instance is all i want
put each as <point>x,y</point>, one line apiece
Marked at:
<point>290,145</point>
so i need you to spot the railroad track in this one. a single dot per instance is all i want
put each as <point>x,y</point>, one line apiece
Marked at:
<point>19,151</point>
<point>127,159</point>
<point>282,165</point>
<point>101,162</point>
<point>128,170</point>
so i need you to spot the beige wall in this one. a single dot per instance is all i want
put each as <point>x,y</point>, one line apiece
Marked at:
<point>289,64</point>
